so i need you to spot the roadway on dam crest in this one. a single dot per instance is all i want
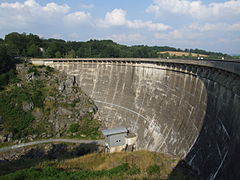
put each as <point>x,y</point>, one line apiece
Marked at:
<point>75,141</point>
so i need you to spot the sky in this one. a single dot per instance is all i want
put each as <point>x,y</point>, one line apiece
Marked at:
<point>210,25</point>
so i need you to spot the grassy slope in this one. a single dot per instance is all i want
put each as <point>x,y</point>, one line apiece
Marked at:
<point>176,53</point>
<point>130,165</point>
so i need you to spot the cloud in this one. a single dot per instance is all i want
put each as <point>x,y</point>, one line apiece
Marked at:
<point>117,17</point>
<point>32,7</point>
<point>77,18</point>
<point>196,9</point>
<point>56,36</point>
<point>30,13</point>
<point>74,36</point>
<point>217,36</point>
<point>222,27</point>
<point>174,35</point>
<point>137,24</point>
<point>55,8</point>
<point>126,38</point>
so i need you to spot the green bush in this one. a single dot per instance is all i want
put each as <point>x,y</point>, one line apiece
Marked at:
<point>73,128</point>
<point>134,170</point>
<point>49,69</point>
<point>52,173</point>
<point>8,77</point>
<point>153,169</point>
<point>37,98</point>
<point>15,119</point>
<point>33,69</point>
<point>119,169</point>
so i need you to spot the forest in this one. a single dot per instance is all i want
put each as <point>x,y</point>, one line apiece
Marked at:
<point>30,45</point>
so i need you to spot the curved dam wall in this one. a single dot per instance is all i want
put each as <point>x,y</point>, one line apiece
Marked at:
<point>186,110</point>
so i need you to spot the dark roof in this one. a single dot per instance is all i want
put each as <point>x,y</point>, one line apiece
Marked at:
<point>119,130</point>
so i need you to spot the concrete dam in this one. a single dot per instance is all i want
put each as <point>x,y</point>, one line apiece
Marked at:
<point>187,108</point>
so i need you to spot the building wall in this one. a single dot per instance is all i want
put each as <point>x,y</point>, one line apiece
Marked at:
<point>116,140</point>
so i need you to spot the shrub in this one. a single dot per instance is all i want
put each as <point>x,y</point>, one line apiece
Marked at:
<point>8,77</point>
<point>134,170</point>
<point>15,119</point>
<point>37,98</point>
<point>53,173</point>
<point>49,70</point>
<point>34,70</point>
<point>153,169</point>
<point>73,128</point>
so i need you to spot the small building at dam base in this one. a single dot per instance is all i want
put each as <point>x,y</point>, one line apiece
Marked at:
<point>119,139</point>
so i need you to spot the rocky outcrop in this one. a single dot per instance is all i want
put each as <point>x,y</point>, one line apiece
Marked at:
<point>55,102</point>
<point>27,106</point>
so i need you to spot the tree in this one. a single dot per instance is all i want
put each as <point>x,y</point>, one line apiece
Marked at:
<point>12,50</point>
<point>33,51</point>
<point>48,53</point>
<point>71,54</point>
<point>81,52</point>
<point>58,54</point>
<point>15,43</point>
<point>7,65</point>
<point>33,39</point>
<point>3,59</point>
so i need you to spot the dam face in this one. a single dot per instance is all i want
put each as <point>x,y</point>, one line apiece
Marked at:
<point>189,111</point>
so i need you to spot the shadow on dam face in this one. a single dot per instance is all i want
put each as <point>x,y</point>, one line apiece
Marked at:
<point>189,112</point>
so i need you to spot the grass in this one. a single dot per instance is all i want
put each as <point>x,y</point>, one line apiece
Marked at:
<point>153,169</point>
<point>102,166</point>
<point>130,165</point>
<point>139,161</point>
<point>119,172</point>
<point>176,53</point>
<point>74,128</point>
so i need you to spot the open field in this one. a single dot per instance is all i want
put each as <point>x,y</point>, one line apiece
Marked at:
<point>177,53</point>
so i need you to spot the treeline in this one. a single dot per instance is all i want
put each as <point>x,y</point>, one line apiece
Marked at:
<point>30,45</point>
<point>7,67</point>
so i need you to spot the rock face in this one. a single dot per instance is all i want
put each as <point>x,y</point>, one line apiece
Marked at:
<point>55,102</point>
<point>27,106</point>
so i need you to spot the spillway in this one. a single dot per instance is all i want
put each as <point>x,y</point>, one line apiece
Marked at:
<point>189,111</point>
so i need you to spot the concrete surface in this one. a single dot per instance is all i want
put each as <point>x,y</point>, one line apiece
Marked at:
<point>187,109</point>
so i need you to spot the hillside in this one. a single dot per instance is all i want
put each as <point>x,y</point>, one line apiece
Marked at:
<point>130,165</point>
<point>43,103</point>
<point>182,54</point>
